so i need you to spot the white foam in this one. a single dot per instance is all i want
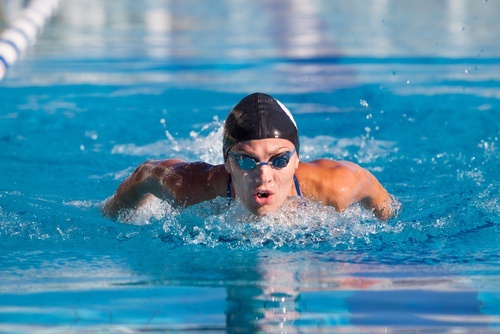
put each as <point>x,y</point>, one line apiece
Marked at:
<point>80,204</point>
<point>153,210</point>
<point>204,145</point>
<point>222,223</point>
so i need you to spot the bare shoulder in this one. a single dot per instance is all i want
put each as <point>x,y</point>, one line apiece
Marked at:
<point>326,170</point>
<point>181,183</point>
<point>342,183</point>
<point>339,165</point>
<point>192,182</point>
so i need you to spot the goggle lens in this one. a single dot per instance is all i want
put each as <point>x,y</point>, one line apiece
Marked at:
<point>248,163</point>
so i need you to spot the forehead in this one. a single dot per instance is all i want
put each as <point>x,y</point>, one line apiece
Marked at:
<point>268,145</point>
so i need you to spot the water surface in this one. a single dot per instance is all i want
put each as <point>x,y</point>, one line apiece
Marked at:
<point>408,91</point>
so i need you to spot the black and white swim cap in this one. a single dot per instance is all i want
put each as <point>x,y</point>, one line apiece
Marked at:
<point>259,116</point>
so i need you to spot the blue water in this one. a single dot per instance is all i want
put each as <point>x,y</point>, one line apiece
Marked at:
<point>409,91</point>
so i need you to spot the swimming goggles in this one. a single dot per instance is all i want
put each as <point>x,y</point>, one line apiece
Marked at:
<point>246,162</point>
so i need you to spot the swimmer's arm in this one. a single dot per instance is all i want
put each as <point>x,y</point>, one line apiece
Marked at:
<point>368,191</point>
<point>173,180</point>
<point>341,184</point>
<point>378,200</point>
<point>147,180</point>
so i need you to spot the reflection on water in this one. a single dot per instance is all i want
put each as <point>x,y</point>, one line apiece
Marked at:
<point>172,39</point>
<point>291,297</point>
<point>294,28</point>
<point>249,291</point>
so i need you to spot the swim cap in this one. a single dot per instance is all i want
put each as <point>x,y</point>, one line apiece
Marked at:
<point>259,116</point>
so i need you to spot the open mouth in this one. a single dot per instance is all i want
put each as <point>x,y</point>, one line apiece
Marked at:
<point>262,194</point>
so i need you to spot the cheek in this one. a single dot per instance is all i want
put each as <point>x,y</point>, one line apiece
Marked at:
<point>285,180</point>
<point>240,180</point>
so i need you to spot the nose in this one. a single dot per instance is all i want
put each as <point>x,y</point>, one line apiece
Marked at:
<point>263,173</point>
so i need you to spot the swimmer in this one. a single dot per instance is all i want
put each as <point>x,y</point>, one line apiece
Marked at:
<point>261,168</point>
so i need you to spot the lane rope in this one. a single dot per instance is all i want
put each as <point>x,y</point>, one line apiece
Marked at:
<point>23,31</point>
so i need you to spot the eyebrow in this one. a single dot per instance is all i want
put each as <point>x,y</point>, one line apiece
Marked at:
<point>279,150</point>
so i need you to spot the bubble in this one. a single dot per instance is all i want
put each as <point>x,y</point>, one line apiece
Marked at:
<point>299,224</point>
<point>363,103</point>
<point>91,134</point>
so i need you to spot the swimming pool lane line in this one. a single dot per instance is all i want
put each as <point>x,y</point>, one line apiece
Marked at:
<point>23,31</point>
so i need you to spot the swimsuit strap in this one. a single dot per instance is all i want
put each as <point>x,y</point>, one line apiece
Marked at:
<point>228,191</point>
<point>297,187</point>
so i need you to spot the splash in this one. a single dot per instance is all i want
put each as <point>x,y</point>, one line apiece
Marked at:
<point>299,224</point>
<point>204,144</point>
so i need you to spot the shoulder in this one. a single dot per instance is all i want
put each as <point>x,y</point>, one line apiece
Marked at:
<point>197,169</point>
<point>193,182</point>
<point>335,183</point>
<point>318,169</point>
<point>342,183</point>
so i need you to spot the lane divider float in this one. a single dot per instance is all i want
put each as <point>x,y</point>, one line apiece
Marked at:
<point>23,31</point>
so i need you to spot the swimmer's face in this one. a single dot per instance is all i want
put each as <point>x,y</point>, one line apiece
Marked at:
<point>264,188</point>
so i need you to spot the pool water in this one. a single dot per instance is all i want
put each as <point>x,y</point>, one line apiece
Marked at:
<point>409,91</point>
